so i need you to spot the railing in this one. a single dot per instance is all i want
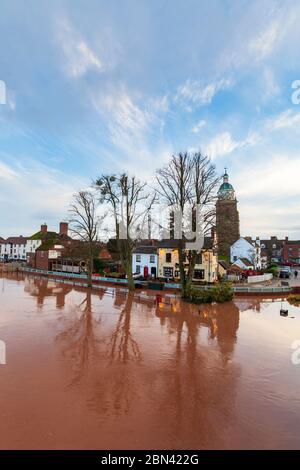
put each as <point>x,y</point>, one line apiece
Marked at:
<point>168,285</point>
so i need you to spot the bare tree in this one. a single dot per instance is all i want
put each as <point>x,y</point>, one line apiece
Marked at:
<point>84,223</point>
<point>129,203</point>
<point>189,182</point>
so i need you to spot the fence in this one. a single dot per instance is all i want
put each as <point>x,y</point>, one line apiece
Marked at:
<point>71,279</point>
<point>260,278</point>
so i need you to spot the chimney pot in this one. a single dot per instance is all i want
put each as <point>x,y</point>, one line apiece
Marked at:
<point>63,228</point>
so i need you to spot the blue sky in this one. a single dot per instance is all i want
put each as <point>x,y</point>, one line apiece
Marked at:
<point>97,86</point>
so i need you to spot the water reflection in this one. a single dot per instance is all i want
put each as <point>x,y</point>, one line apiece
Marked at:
<point>147,371</point>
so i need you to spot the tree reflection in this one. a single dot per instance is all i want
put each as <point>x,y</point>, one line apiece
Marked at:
<point>122,347</point>
<point>82,344</point>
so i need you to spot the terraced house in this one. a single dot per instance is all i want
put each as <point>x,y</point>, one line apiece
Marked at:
<point>13,249</point>
<point>206,268</point>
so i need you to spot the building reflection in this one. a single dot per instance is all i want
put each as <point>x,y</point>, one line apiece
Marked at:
<point>42,288</point>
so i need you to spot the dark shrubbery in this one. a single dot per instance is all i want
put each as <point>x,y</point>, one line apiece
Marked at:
<point>294,299</point>
<point>222,292</point>
<point>273,269</point>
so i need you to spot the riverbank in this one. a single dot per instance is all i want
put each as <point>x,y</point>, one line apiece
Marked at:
<point>98,281</point>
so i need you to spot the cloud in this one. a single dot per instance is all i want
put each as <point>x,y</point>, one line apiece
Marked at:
<point>36,193</point>
<point>197,127</point>
<point>79,57</point>
<point>277,177</point>
<point>134,125</point>
<point>224,144</point>
<point>264,44</point>
<point>198,94</point>
<point>286,119</point>
<point>7,173</point>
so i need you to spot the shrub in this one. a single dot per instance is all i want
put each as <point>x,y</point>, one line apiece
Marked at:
<point>272,270</point>
<point>294,299</point>
<point>222,292</point>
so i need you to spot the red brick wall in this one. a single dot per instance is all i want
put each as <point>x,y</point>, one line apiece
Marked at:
<point>42,260</point>
<point>291,251</point>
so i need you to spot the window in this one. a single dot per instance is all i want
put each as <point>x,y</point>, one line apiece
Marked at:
<point>199,258</point>
<point>168,257</point>
<point>138,258</point>
<point>235,258</point>
<point>199,274</point>
<point>152,258</point>
<point>168,272</point>
<point>138,269</point>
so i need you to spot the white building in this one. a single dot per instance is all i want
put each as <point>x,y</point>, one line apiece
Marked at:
<point>13,248</point>
<point>145,261</point>
<point>246,249</point>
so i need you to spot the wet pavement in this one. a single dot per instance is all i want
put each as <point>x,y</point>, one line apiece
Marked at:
<point>107,369</point>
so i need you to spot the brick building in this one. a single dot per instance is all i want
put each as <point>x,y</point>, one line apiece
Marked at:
<point>227,218</point>
<point>291,251</point>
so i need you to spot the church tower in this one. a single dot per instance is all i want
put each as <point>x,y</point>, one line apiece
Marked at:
<point>227,217</point>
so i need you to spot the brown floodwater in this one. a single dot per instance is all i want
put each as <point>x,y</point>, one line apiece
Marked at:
<point>109,370</point>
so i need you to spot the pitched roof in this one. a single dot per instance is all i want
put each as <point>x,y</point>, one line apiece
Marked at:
<point>16,240</point>
<point>224,264</point>
<point>246,262</point>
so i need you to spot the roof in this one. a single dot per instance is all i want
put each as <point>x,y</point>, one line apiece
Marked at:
<point>272,241</point>
<point>17,240</point>
<point>146,250</point>
<point>42,235</point>
<point>49,236</point>
<point>292,242</point>
<point>224,264</point>
<point>246,262</point>
<point>225,186</point>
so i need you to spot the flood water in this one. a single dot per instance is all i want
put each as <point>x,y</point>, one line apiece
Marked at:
<point>106,370</point>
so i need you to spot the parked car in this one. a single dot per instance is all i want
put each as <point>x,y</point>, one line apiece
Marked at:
<point>285,273</point>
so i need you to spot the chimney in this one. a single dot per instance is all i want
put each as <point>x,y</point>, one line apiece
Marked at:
<point>63,228</point>
<point>44,228</point>
<point>286,239</point>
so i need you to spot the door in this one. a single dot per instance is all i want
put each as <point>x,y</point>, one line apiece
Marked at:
<point>153,272</point>
<point>146,271</point>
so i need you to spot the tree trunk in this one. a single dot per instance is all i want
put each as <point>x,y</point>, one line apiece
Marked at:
<point>181,269</point>
<point>130,281</point>
<point>90,268</point>
<point>189,280</point>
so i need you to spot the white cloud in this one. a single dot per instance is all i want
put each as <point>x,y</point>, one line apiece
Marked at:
<point>7,173</point>
<point>198,94</point>
<point>197,127</point>
<point>79,57</point>
<point>132,122</point>
<point>286,119</point>
<point>224,144</point>
<point>264,44</point>
<point>277,176</point>
<point>35,193</point>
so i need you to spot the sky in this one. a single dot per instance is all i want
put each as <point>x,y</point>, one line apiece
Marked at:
<point>93,87</point>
